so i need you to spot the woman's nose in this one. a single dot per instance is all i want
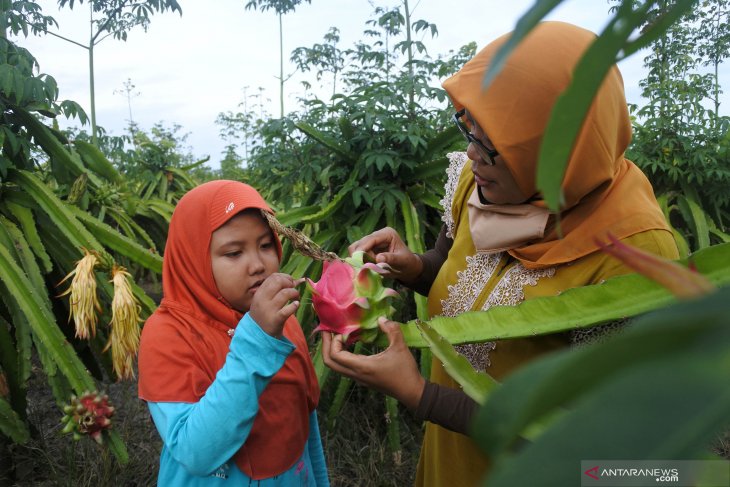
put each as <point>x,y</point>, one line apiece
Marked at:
<point>473,154</point>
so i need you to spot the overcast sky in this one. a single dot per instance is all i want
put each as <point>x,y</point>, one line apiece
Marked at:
<point>187,69</point>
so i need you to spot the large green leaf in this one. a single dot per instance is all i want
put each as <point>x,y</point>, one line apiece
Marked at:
<point>617,298</point>
<point>659,389</point>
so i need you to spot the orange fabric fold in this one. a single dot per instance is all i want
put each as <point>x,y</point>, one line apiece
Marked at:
<point>603,191</point>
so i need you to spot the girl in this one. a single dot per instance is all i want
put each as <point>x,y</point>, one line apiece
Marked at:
<point>223,363</point>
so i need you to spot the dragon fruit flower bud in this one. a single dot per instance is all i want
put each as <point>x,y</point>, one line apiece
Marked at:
<point>349,297</point>
<point>88,414</point>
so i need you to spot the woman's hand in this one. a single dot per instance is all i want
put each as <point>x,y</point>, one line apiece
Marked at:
<point>386,247</point>
<point>271,304</point>
<point>392,371</point>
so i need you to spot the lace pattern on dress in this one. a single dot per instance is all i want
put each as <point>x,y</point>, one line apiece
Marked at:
<point>456,164</point>
<point>507,292</point>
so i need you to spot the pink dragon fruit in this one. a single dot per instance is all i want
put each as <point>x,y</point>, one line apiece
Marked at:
<point>349,298</point>
<point>88,415</point>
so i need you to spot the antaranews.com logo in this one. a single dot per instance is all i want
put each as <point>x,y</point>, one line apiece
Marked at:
<point>640,473</point>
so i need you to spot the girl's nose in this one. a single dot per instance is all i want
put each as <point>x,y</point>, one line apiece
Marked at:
<point>256,265</point>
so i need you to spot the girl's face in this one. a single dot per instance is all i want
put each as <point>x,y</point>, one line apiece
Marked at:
<point>242,254</point>
<point>495,182</point>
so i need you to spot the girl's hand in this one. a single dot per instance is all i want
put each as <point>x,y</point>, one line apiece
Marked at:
<point>393,371</point>
<point>386,247</point>
<point>271,304</point>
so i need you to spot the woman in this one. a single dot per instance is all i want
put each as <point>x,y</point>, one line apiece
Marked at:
<point>500,245</point>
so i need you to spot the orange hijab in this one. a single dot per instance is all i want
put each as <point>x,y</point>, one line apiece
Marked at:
<point>185,341</point>
<point>603,191</point>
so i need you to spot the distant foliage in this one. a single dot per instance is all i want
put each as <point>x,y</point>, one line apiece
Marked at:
<point>681,135</point>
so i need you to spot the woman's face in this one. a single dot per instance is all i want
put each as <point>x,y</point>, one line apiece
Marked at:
<point>242,253</point>
<point>495,182</point>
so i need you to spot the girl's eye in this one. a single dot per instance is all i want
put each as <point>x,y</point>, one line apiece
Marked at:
<point>234,253</point>
<point>267,245</point>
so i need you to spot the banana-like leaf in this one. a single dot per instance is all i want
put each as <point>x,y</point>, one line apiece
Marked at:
<point>97,161</point>
<point>58,211</point>
<point>11,424</point>
<point>617,298</point>
<point>476,385</point>
<point>677,356</point>
<point>118,242</point>
<point>327,141</point>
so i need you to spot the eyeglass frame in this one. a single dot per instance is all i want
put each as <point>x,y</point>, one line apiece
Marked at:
<point>485,152</point>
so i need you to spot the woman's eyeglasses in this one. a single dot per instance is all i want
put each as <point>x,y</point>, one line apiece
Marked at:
<point>485,152</point>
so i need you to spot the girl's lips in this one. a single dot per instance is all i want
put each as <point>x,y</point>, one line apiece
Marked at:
<point>255,287</point>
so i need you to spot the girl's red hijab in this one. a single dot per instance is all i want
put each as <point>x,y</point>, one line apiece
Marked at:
<point>185,341</point>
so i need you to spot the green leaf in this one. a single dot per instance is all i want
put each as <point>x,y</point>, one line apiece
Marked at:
<point>697,220</point>
<point>617,298</point>
<point>678,356</point>
<point>327,141</point>
<point>476,385</point>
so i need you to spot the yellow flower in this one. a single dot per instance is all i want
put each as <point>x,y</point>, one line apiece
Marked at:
<point>84,303</point>
<point>124,339</point>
